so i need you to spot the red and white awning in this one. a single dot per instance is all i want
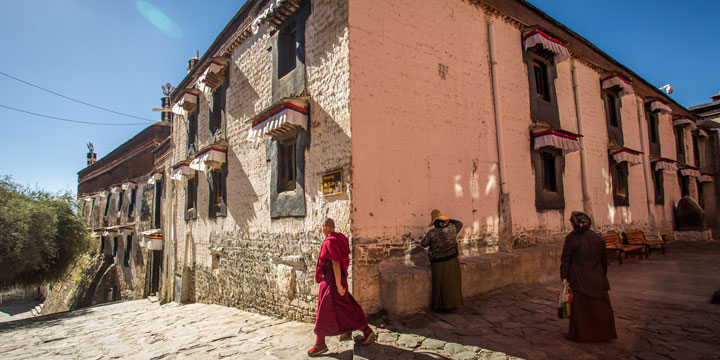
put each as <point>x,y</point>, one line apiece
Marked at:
<point>274,13</point>
<point>659,105</point>
<point>126,230</point>
<point>180,171</point>
<point>211,158</point>
<point>617,80</point>
<point>154,177</point>
<point>152,239</point>
<point>547,42</point>
<point>279,120</point>
<point>665,164</point>
<point>213,77</point>
<point>187,102</point>
<point>556,139</point>
<point>682,121</point>
<point>631,156</point>
<point>705,177</point>
<point>110,231</point>
<point>128,185</point>
<point>690,171</point>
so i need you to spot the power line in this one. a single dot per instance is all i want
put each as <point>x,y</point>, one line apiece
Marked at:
<point>68,120</point>
<point>76,100</point>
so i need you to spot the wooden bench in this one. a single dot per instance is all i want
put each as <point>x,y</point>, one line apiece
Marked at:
<point>639,238</point>
<point>613,242</point>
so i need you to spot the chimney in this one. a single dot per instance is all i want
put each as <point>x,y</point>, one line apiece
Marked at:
<point>91,156</point>
<point>192,62</point>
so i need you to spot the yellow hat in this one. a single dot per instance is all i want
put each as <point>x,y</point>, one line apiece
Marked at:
<point>437,215</point>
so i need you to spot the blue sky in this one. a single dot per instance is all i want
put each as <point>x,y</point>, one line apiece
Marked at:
<point>109,54</point>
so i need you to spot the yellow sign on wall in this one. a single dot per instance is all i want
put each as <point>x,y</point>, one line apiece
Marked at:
<point>332,183</point>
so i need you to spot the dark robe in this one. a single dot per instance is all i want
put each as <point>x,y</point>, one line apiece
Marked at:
<point>335,314</point>
<point>584,265</point>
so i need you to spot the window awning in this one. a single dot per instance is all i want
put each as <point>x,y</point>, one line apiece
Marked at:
<point>154,177</point>
<point>702,132</point>
<point>631,156</point>
<point>659,105</point>
<point>103,194</point>
<point>617,80</point>
<point>181,170</point>
<point>88,199</point>
<point>682,121</point>
<point>211,158</point>
<point>279,120</point>
<point>187,102</point>
<point>557,139</point>
<point>96,234</point>
<point>274,13</point>
<point>547,42</point>
<point>114,189</point>
<point>153,239</point>
<point>110,231</point>
<point>214,76</point>
<point>128,185</point>
<point>126,230</point>
<point>705,177</point>
<point>689,171</point>
<point>665,164</point>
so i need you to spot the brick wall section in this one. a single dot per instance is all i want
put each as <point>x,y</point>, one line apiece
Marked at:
<point>255,251</point>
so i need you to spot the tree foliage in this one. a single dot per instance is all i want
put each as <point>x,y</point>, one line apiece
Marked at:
<point>40,234</point>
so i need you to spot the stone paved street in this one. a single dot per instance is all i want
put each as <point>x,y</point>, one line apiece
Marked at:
<point>661,305</point>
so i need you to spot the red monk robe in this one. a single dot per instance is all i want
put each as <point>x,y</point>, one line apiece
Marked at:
<point>336,314</point>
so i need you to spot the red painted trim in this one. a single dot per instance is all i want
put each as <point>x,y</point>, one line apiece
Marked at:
<point>180,165</point>
<point>554,132</point>
<point>618,76</point>
<point>208,150</point>
<point>629,151</point>
<point>543,35</point>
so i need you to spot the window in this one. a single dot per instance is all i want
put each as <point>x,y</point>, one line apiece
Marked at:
<point>286,165</point>
<point>696,151</point>
<point>684,184</point>
<point>287,49</point>
<point>114,246</point>
<point>653,131</point>
<point>548,164</point>
<point>128,248</point>
<point>191,197</point>
<point>218,105</point>
<point>157,204</point>
<point>131,205</point>
<point>192,122</point>
<point>619,175</point>
<point>659,187</point>
<point>680,144</point>
<point>613,103</point>
<point>218,197</point>
<point>102,245</point>
<point>120,196</point>
<point>541,78</point>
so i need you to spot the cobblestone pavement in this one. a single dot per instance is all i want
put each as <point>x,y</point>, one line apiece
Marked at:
<point>661,311</point>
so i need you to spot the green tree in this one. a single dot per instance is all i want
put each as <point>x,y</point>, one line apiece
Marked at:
<point>40,234</point>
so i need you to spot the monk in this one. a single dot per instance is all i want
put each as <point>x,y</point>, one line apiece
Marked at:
<point>337,313</point>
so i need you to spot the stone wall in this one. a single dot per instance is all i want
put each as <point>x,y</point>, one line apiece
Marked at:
<point>246,259</point>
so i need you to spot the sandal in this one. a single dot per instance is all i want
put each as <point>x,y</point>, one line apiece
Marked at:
<point>368,336</point>
<point>317,350</point>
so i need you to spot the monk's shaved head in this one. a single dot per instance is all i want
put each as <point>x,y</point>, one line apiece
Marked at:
<point>329,223</point>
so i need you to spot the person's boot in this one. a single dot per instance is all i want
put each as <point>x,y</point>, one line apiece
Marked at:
<point>368,336</point>
<point>317,350</point>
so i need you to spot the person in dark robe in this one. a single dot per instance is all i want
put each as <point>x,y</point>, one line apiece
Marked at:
<point>584,265</point>
<point>337,313</point>
<point>446,279</point>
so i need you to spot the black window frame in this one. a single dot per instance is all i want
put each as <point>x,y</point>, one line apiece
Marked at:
<point>131,204</point>
<point>613,115</point>
<point>128,249</point>
<point>696,151</point>
<point>544,103</point>
<point>157,203</point>
<point>679,134</point>
<point>287,203</point>
<point>287,48</point>
<point>288,74</point>
<point>191,185</point>
<point>114,246</point>
<point>192,129</point>
<point>286,167</point>
<point>659,186</point>
<point>217,110</point>
<point>653,122</point>
<point>619,175</point>
<point>217,192</point>
<point>545,197</point>
<point>684,183</point>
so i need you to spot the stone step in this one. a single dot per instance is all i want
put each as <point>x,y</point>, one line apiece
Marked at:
<point>152,298</point>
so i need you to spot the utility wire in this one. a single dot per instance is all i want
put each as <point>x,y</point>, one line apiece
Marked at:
<point>76,100</point>
<point>69,120</point>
